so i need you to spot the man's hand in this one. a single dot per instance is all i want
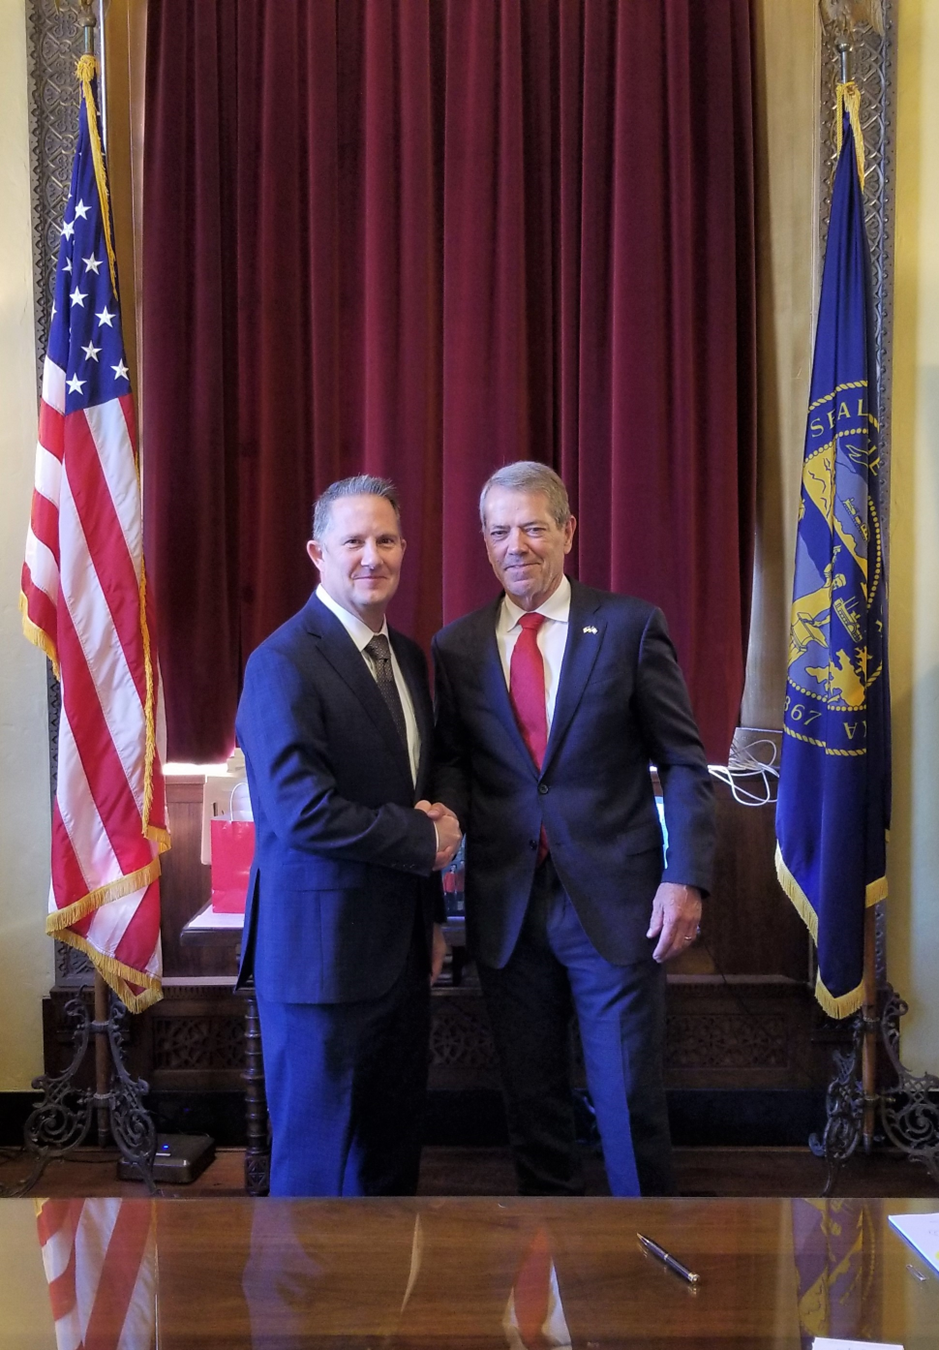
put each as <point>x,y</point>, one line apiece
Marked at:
<point>437,953</point>
<point>448,829</point>
<point>676,913</point>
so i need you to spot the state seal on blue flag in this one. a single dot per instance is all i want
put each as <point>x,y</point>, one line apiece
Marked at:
<point>834,786</point>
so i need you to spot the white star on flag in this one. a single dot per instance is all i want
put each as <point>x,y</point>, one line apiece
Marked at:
<point>75,385</point>
<point>91,352</point>
<point>104,317</point>
<point>92,264</point>
<point>120,370</point>
<point>81,210</point>
<point>77,297</point>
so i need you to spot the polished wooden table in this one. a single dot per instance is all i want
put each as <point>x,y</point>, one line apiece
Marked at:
<point>472,1273</point>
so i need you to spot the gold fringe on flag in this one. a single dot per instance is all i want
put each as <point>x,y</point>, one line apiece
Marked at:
<point>844,1004</point>
<point>101,895</point>
<point>155,832</point>
<point>38,636</point>
<point>116,975</point>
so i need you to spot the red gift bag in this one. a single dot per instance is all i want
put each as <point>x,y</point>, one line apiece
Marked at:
<point>232,851</point>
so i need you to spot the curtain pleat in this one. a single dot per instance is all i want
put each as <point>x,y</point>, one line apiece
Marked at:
<point>424,239</point>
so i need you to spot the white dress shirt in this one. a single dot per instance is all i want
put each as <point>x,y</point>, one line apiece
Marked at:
<point>361,635</point>
<point>552,638</point>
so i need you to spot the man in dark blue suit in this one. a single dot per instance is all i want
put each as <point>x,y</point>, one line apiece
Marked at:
<point>336,725</point>
<point>552,703</point>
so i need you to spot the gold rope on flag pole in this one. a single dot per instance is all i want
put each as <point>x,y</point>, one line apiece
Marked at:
<point>86,71</point>
<point>848,95</point>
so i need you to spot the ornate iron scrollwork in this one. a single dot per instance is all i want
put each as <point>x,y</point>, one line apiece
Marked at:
<point>131,1124</point>
<point>910,1107</point>
<point>62,1120</point>
<point>907,1109</point>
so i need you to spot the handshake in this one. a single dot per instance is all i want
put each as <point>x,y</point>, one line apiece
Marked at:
<point>449,833</point>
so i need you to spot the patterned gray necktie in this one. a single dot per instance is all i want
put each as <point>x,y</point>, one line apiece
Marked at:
<point>379,652</point>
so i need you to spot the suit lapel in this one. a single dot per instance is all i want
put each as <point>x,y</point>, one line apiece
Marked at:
<point>420,699</point>
<point>337,647</point>
<point>585,631</point>
<point>492,679</point>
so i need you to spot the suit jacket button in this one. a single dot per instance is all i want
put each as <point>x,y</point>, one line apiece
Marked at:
<point>533,843</point>
<point>543,788</point>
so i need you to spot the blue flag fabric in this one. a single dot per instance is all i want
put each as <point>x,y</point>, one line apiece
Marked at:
<point>835,1244</point>
<point>834,786</point>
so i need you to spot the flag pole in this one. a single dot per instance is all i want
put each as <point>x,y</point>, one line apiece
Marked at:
<point>89,23</point>
<point>872,1097</point>
<point>869,1012</point>
<point>121,865</point>
<point>102,1056</point>
<point>871,1023</point>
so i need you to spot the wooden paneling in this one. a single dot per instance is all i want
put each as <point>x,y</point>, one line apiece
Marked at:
<point>186,886</point>
<point>749,927</point>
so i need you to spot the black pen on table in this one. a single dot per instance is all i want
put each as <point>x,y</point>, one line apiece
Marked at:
<point>668,1260</point>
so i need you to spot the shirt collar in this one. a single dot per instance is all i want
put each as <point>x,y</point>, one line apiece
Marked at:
<point>359,632</point>
<point>556,607</point>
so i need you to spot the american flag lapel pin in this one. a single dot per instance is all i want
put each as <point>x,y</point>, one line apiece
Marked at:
<point>589,628</point>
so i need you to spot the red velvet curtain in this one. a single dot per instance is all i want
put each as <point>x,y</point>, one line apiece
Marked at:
<point>424,238</point>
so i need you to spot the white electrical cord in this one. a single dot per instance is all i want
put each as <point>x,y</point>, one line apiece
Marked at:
<point>747,764</point>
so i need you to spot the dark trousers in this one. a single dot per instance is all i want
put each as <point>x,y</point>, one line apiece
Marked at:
<point>555,970</point>
<point>346,1084</point>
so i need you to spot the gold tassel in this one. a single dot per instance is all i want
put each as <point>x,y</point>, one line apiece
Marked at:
<point>849,96</point>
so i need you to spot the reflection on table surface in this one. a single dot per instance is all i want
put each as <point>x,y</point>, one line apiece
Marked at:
<point>458,1273</point>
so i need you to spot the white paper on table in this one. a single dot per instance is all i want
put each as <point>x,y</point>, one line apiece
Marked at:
<point>827,1343</point>
<point>922,1230</point>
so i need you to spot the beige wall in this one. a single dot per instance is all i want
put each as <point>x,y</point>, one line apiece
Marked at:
<point>913,909</point>
<point>25,951</point>
<point>787,145</point>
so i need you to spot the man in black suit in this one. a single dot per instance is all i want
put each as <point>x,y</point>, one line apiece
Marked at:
<point>336,725</point>
<point>552,702</point>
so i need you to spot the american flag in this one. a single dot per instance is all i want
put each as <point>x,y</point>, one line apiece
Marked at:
<point>534,1316</point>
<point>84,602</point>
<point>99,1258</point>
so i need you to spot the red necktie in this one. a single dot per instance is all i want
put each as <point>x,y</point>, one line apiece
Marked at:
<point>526,687</point>
<point>527,692</point>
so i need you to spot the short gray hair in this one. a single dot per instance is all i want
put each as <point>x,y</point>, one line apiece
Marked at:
<point>530,475</point>
<point>359,485</point>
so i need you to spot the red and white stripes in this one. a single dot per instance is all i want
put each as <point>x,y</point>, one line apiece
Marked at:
<point>99,1258</point>
<point>84,602</point>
